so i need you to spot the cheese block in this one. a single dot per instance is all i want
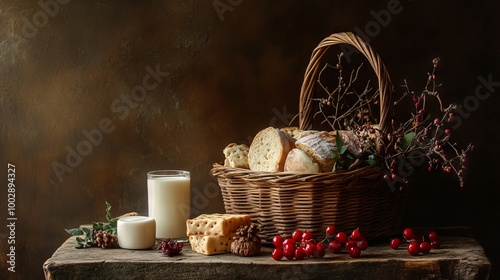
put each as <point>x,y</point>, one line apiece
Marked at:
<point>211,244</point>
<point>216,224</point>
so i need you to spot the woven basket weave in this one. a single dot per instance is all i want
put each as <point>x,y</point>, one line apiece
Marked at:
<point>281,202</point>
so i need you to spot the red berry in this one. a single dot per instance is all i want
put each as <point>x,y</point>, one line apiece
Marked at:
<point>289,251</point>
<point>334,247</point>
<point>356,234</point>
<point>437,121</point>
<point>330,230</point>
<point>297,235</point>
<point>288,241</point>
<point>300,253</point>
<point>278,241</point>
<point>395,243</point>
<point>341,237</point>
<point>362,244</point>
<point>277,254</point>
<point>436,244</point>
<point>319,252</point>
<point>350,243</point>
<point>307,235</point>
<point>425,247</point>
<point>309,247</point>
<point>447,131</point>
<point>408,234</point>
<point>414,248</point>
<point>433,236</point>
<point>354,252</point>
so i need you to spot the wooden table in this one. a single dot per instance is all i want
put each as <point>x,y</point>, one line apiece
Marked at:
<point>460,257</point>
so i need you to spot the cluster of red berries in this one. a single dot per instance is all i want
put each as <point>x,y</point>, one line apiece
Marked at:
<point>302,245</point>
<point>299,246</point>
<point>170,247</point>
<point>354,243</point>
<point>417,243</point>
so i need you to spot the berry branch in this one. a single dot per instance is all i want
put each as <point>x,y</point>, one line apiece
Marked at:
<point>346,114</point>
<point>424,137</point>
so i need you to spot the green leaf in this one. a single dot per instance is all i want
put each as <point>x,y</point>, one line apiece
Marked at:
<point>87,231</point>
<point>74,231</point>
<point>112,226</point>
<point>349,159</point>
<point>108,211</point>
<point>98,226</point>
<point>370,159</point>
<point>335,166</point>
<point>407,140</point>
<point>342,150</point>
<point>338,142</point>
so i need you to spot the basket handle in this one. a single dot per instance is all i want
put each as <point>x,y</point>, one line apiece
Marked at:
<point>384,81</point>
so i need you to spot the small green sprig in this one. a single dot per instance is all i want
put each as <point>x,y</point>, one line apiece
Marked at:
<point>88,241</point>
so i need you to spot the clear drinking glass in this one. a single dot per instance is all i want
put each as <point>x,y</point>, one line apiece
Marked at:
<point>169,202</point>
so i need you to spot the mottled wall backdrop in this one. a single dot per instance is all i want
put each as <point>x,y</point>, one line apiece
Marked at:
<point>94,94</point>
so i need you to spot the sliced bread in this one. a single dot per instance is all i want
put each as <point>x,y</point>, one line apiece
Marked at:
<point>269,149</point>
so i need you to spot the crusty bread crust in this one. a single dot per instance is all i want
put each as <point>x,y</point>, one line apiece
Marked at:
<point>351,140</point>
<point>321,147</point>
<point>300,162</point>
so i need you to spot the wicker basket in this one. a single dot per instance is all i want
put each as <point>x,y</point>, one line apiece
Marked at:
<point>281,202</point>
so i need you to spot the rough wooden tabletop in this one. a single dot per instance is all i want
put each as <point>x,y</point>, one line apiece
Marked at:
<point>459,258</point>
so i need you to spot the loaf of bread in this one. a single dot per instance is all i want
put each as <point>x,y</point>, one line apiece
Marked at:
<point>299,161</point>
<point>321,147</point>
<point>269,149</point>
<point>236,156</point>
<point>305,133</point>
<point>351,140</point>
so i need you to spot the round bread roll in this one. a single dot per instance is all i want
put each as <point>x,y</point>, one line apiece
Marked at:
<point>300,162</point>
<point>321,147</point>
<point>269,149</point>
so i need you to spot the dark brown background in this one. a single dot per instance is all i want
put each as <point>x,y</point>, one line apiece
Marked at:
<point>230,74</point>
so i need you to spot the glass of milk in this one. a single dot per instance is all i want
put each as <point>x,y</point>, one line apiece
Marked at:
<point>169,202</point>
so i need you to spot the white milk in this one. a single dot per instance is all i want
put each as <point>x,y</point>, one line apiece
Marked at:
<point>169,205</point>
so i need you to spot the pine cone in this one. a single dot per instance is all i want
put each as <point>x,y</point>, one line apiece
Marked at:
<point>247,241</point>
<point>104,239</point>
